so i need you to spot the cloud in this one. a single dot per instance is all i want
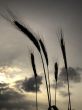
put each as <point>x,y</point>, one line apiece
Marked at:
<point>13,100</point>
<point>6,93</point>
<point>79,69</point>
<point>3,85</point>
<point>29,85</point>
<point>60,84</point>
<point>10,99</point>
<point>74,75</point>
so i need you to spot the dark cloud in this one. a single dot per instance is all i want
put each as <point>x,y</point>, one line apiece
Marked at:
<point>13,100</point>
<point>30,84</point>
<point>3,87</point>
<point>74,77</point>
<point>73,74</point>
<point>10,99</point>
<point>8,94</point>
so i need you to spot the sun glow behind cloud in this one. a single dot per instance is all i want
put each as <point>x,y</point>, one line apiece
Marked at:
<point>10,74</point>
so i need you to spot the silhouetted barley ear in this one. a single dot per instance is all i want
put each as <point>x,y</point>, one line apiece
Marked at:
<point>22,28</point>
<point>56,77</point>
<point>28,34</point>
<point>44,51</point>
<point>47,62</point>
<point>35,74</point>
<point>56,71</point>
<point>62,44</point>
<point>63,51</point>
<point>33,65</point>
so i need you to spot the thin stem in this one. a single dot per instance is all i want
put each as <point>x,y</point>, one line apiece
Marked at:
<point>69,103</point>
<point>45,78</point>
<point>49,85</point>
<point>55,92</point>
<point>36,95</point>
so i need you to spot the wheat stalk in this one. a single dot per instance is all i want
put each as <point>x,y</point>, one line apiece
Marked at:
<point>62,45</point>
<point>35,74</point>
<point>47,63</point>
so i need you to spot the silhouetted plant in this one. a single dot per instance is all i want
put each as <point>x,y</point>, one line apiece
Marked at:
<point>33,65</point>
<point>47,62</point>
<point>54,107</point>
<point>44,51</point>
<point>35,74</point>
<point>56,77</point>
<point>62,44</point>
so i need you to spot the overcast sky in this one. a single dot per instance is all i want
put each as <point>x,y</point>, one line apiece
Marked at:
<point>44,17</point>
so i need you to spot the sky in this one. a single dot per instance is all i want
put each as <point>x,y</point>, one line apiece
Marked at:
<point>44,18</point>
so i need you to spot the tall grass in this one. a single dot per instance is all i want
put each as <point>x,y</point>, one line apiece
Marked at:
<point>62,45</point>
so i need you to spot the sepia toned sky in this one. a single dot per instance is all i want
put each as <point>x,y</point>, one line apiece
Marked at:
<point>44,18</point>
